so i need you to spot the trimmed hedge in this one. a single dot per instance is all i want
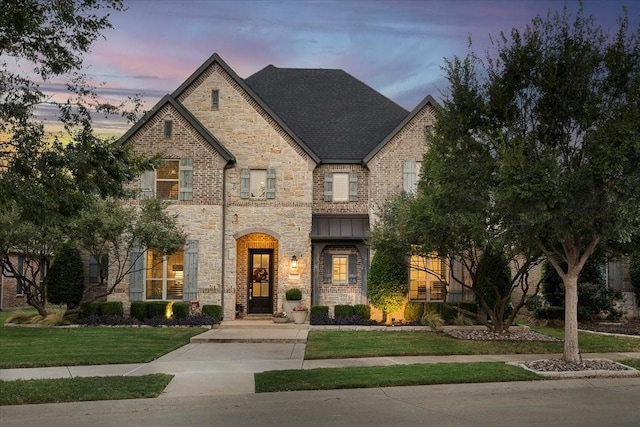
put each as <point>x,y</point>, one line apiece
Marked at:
<point>343,310</point>
<point>362,311</point>
<point>180,310</point>
<point>212,310</point>
<point>139,310</point>
<point>551,313</point>
<point>318,312</point>
<point>111,308</point>
<point>157,308</point>
<point>413,311</point>
<point>91,309</point>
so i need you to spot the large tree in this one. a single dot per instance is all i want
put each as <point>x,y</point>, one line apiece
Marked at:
<point>48,179</point>
<point>556,107</point>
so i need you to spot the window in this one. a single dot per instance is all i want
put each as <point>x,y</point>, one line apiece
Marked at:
<point>411,175</point>
<point>215,99</point>
<point>339,269</point>
<point>168,129</point>
<point>341,187</point>
<point>93,269</point>
<point>19,290</point>
<point>165,276</point>
<point>426,275</point>
<point>428,133</point>
<point>173,180</point>
<point>258,184</point>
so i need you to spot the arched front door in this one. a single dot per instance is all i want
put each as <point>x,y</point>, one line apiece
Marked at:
<point>260,281</point>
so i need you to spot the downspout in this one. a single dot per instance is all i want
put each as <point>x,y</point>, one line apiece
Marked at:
<point>224,235</point>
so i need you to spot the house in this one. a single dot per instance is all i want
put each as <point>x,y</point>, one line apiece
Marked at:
<point>275,179</point>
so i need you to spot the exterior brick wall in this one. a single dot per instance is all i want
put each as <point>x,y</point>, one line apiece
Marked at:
<point>9,285</point>
<point>359,207</point>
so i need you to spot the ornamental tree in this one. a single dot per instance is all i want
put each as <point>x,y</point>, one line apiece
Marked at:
<point>556,107</point>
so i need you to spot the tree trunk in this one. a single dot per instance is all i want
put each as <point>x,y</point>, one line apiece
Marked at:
<point>571,351</point>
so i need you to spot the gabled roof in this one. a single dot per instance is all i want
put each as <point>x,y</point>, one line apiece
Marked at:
<point>428,100</point>
<point>339,117</point>
<point>168,99</point>
<point>215,58</point>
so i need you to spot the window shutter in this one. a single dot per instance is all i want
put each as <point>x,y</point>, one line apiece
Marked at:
<point>191,270</point>
<point>136,278</point>
<point>409,176</point>
<point>353,186</point>
<point>328,268</point>
<point>353,269</point>
<point>147,184</point>
<point>271,184</point>
<point>245,181</point>
<point>93,270</point>
<point>186,179</point>
<point>328,187</point>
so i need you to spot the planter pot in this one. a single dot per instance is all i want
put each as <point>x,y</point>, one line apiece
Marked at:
<point>280,319</point>
<point>299,316</point>
<point>288,305</point>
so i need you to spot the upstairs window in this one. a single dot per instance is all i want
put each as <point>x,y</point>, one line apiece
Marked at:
<point>258,184</point>
<point>168,129</point>
<point>172,180</point>
<point>428,133</point>
<point>215,99</point>
<point>411,175</point>
<point>341,187</point>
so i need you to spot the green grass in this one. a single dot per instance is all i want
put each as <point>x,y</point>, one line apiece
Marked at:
<point>347,344</point>
<point>23,392</point>
<point>24,347</point>
<point>634,363</point>
<point>390,376</point>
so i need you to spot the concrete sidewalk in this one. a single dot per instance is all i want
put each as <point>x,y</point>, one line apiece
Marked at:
<point>223,361</point>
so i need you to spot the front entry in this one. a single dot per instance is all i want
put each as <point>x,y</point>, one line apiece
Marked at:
<point>260,283</point>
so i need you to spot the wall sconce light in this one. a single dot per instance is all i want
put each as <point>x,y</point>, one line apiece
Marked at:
<point>294,262</point>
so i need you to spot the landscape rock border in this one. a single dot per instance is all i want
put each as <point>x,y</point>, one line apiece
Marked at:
<point>589,368</point>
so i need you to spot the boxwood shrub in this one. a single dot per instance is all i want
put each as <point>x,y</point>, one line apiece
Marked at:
<point>362,311</point>
<point>111,308</point>
<point>180,309</point>
<point>139,310</point>
<point>318,311</point>
<point>157,308</point>
<point>212,310</point>
<point>91,309</point>
<point>413,311</point>
<point>343,310</point>
<point>293,294</point>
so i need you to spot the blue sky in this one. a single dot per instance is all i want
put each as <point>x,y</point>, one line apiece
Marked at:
<point>396,47</point>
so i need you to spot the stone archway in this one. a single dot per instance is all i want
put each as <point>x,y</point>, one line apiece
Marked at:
<point>253,248</point>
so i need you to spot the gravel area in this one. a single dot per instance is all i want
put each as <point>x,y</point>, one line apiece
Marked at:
<point>628,327</point>
<point>486,335</point>
<point>557,365</point>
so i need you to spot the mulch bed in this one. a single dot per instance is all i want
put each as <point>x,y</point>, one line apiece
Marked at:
<point>628,327</point>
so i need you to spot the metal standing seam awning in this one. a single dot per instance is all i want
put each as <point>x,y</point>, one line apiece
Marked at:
<point>333,229</point>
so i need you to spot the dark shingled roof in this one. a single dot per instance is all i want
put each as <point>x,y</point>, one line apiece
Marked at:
<point>340,118</point>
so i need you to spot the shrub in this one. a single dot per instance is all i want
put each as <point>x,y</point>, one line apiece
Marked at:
<point>322,318</point>
<point>293,294</point>
<point>157,308</point>
<point>634,273</point>
<point>318,311</point>
<point>92,309</point>
<point>413,311</point>
<point>493,282</point>
<point>362,311</point>
<point>432,319</point>
<point>388,283</point>
<point>450,313</point>
<point>111,308</point>
<point>180,310</point>
<point>212,310</point>
<point>139,310</point>
<point>595,299</point>
<point>342,310</point>
<point>66,277</point>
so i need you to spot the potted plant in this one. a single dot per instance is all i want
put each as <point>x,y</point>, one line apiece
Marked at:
<point>293,298</point>
<point>299,313</point>
<point>280,317</point>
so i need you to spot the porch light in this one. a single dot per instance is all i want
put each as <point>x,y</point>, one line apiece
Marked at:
<point>294,262</point>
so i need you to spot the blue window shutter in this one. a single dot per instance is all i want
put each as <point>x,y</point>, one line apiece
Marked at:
<point>245,181</point>
<point>353,186</point>
<point>271,184</point>
<point>186,179</point>
<point>191,270</point>
<point>136,278</point>
<point>353,269</point>
<point>328,186</point>
<point>147,184</point>
<point>328,267</point>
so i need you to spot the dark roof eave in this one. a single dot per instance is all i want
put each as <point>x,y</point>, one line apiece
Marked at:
<point>428,100</point>
<point>216,58</point>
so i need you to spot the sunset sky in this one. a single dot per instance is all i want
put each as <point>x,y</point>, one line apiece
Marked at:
<point>396,47</point>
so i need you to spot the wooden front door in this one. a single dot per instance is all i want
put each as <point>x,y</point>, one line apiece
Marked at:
<point>260,283</point>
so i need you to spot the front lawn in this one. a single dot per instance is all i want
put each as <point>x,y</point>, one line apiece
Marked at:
<point>390,376</point>
<point>347,344</point>
<point>23,392</point>
<point>26,347</point>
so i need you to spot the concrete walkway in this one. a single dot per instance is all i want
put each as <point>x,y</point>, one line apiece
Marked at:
<point>222,361</point>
